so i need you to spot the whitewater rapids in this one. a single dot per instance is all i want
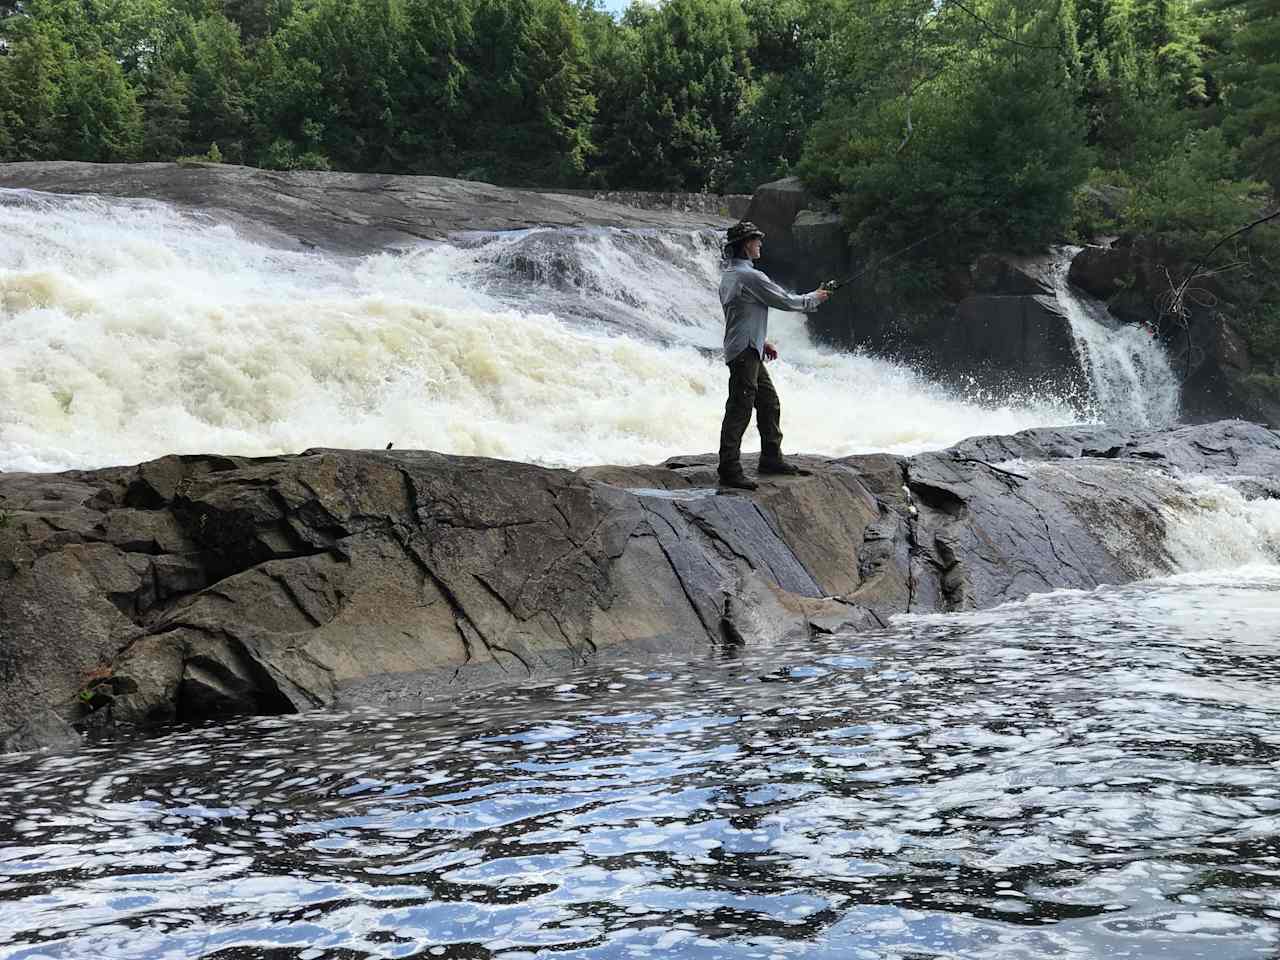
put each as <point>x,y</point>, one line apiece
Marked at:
<point>130,330</point>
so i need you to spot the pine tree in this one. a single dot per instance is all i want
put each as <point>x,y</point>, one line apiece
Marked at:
<point>1249,68</point>
<point>166,127</point>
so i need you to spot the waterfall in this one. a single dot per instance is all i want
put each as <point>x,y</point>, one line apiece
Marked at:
<point>131,329</point>
<point>1131,383</point>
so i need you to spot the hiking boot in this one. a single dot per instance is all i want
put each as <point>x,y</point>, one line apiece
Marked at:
<point>781,467</point>
<point>737,481</point>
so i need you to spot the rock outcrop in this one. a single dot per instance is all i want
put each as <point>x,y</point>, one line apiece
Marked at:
<point>1136,279</point>
<point>347,213</point>
<point>202,586</point>
<point>796,250</point>
<point>1000,327</point>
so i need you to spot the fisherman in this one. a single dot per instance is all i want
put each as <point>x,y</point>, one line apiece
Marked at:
<point>746,295</point>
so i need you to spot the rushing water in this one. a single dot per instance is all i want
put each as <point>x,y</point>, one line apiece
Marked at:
<point>1083,774</point>
<point>1080,775</point>
<point>130,331</point>
<point>1130,380</point>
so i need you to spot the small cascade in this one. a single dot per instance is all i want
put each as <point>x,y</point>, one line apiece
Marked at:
<point>1130,380</point>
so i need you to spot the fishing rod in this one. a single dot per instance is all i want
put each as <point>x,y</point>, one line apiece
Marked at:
<point>836,284</point>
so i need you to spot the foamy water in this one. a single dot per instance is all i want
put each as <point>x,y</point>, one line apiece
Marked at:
<point>129,331</point>
<point>1208,524</point>
<point>1130,380</point>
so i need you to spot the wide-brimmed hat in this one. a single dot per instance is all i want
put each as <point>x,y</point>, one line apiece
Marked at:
<point>742,230</point>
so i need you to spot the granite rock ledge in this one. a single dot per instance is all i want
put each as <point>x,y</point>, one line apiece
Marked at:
<point>192,587</point>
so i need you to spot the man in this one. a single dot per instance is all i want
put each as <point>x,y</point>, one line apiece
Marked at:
<point>746,295</point>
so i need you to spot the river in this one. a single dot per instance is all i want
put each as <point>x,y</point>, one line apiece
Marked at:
<point>1081,774</point>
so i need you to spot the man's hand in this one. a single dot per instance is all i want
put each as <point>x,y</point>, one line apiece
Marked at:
<point>770,351</point>
<point>823,295</point>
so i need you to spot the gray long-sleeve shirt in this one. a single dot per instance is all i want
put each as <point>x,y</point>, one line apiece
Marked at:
<point>746,295</point>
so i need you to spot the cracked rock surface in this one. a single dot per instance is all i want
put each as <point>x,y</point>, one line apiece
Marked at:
<point>192,587</point>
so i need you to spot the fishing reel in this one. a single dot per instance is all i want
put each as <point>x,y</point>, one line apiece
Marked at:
<point>831,286</point>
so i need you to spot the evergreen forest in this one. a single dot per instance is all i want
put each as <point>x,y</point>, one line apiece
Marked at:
<point>1013,123</point>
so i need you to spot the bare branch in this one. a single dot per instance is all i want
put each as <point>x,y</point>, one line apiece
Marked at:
<point>996,33</point>
<point>909,131</point>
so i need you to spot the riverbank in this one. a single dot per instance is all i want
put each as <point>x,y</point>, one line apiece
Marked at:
<point>204,586</point>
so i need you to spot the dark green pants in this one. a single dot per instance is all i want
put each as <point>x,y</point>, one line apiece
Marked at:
<point>749,389</point>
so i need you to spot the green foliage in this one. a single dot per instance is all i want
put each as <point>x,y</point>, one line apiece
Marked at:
<point>769,132</point>
<point>166,128</point>
<point>218,105</point>
<point>256,19</point>
<point>99,113</point>
<point>972,138</point>
<point>212,155</point>
<point>57,103</point>
<point>621,123</point>
<point>668,108</point>
<point>30,92</point>
<point>1249,70</point>
<point>1097,205</point>
<point>1138,62</point>
<point>527,91</point>
<point>330,77</point>
<point>126,30</point>
<point>282,154</point>
<point>788,37</point>
<point>433,107</point>
<point>1191,196</point>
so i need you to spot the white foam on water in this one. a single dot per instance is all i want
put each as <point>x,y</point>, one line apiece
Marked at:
<point>1208,525</point>
<point>1211,526</point>
<point>1130,379</point>
<point>129,330</point>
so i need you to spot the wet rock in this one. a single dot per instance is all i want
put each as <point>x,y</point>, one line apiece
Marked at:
<point>353,213</point>
<point>1026,340</point>
<point>1011,275</point>
<point>343,577</point>
<point>1102,272</point>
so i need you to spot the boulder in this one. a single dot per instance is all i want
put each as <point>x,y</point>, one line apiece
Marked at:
<point>738,205</point>
<point>195,587</point>
<point>821,245</point>
<point>1103,271</point>
<point>1219,371</point>
<point>1019,341</point>
<point>1011,275</point>
<point>774,208</point>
